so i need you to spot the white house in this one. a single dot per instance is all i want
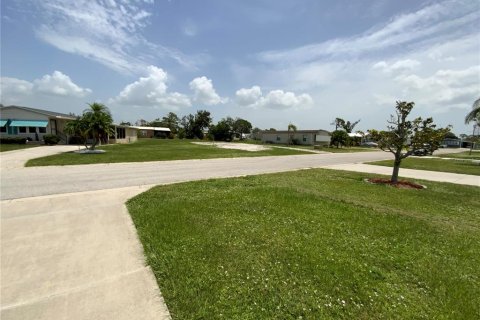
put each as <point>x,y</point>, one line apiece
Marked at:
<point>31,123</point>
<point>304,137</point>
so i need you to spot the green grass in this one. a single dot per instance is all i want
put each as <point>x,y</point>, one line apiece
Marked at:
<point>312,244</point>
<point>10,147</point>
<point>462,155</point>
<point>453,166</point>
<point>153,150</point>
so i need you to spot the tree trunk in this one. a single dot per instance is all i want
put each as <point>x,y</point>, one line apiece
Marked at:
<point>396,169</point>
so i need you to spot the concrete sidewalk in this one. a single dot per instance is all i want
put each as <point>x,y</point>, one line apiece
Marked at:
<point>75,256</point>
<point>410,173</point>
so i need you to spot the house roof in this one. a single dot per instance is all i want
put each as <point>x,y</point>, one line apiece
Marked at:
<point>298,131</point>
<point>41,111</point>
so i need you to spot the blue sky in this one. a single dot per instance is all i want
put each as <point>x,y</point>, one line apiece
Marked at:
<point>271,62</point>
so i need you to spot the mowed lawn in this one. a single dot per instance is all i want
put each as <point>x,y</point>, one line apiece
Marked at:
<point>443,165</point>
<point>312,244</point>
<point>475,155</point>
<point>153,150</point>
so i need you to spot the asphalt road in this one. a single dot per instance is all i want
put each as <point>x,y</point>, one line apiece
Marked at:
<point>21,182</point>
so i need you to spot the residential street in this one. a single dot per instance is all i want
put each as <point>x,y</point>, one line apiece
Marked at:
<point>69,249</point>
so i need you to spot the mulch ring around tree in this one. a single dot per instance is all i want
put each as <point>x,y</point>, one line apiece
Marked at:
<point>401,184</point>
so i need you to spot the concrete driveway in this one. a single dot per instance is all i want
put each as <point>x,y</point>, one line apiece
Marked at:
<point>69,248</point>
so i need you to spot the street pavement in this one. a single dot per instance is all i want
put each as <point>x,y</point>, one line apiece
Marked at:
<point>69,249</point>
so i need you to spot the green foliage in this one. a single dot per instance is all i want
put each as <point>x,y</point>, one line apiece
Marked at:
<point>222,131</point>
<point>474,114</point>
<point>404,137</point>
<point>96,122</point>
<point>291,133</point>
<point>194,125</point>
<point>312,244</point>
<point>241,126</point>
<point>170,121</point>
<point>13,140</point>
<point>339,138</point>
<point>51,139</point>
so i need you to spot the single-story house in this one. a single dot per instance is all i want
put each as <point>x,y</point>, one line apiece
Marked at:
<point>150,132</point>
<point>32,123</point>
<point>451,143</point>
<point>123,134</point>
<point>304,137</point>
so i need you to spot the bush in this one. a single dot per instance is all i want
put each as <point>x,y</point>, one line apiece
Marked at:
<point>13,140</point>
<point>51,139</point>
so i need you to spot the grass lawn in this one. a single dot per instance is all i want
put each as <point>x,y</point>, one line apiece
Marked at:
<point>462,155</point>
<point>454,166</point>
<point>348,150</point>
<point>312,244</point>
<point>153,150</point>
<point>10,147</point>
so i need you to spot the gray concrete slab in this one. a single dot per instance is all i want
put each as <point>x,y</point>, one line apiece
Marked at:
<point>75,256</point>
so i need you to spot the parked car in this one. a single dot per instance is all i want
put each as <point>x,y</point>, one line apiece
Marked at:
<point>370,144</point>
<point>424,151</point>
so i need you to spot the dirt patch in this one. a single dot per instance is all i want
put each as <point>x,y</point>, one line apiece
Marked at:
<point>237,146</point>
<point>402,184</point>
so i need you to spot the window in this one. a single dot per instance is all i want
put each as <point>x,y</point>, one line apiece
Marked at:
<point>42,130</point>
<point>22,129</point>
<point>32,129</point>
<point>304,138</point>
<point>120,133</point>
<point>3,129</point>
<point>278,138</point>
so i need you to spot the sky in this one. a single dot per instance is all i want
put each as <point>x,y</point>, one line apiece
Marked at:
<point>268,61</point>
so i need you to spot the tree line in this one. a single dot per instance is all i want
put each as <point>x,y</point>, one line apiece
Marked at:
<point>200,126</point>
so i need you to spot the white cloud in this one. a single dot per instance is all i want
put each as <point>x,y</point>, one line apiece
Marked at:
<point>59,84</point>
<point>434,23</point>
<point>189,28</point>
<point>108,32</point>
<point>400,65</point>
<point>151,91</point>
<point>275,99</point>
<point>204,92</point>
<point>56,85</point>
<point>247,97</point>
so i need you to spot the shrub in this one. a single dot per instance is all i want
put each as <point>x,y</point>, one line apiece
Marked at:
<point>13,140</point>
<point>51,139</point>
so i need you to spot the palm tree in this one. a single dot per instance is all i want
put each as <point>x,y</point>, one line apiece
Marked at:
<point>98,122</point>
<point>474,115</point>
<point>291,129</point>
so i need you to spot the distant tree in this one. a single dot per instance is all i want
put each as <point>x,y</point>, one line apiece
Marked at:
<point>349,126</point>
<point>241,127</point>
<point>125,123</point>
<point>404,137</point>
<point>141,122</point>
<point>338,123</point>
<point>451,135</point>
<point>171,121</point>
<point>339,138</point>
<point>192,126</point>
<point>256,133</point>
<point>222,131</point>
<point>271,130</point>
<point>291,132</point>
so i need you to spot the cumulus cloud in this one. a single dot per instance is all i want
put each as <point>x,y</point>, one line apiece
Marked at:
<point>204,92</point>
<point>56,84</point>
<point>275,99</point>
<point>151,91</point>
<point>247,97</point>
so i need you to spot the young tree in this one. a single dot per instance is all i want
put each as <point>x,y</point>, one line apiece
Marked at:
<point>474,116</point>
<point>339,137</point>
<point>171,121</point>
<point>404,137</point>
<point>96,122</point>
<point>291,132</point>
